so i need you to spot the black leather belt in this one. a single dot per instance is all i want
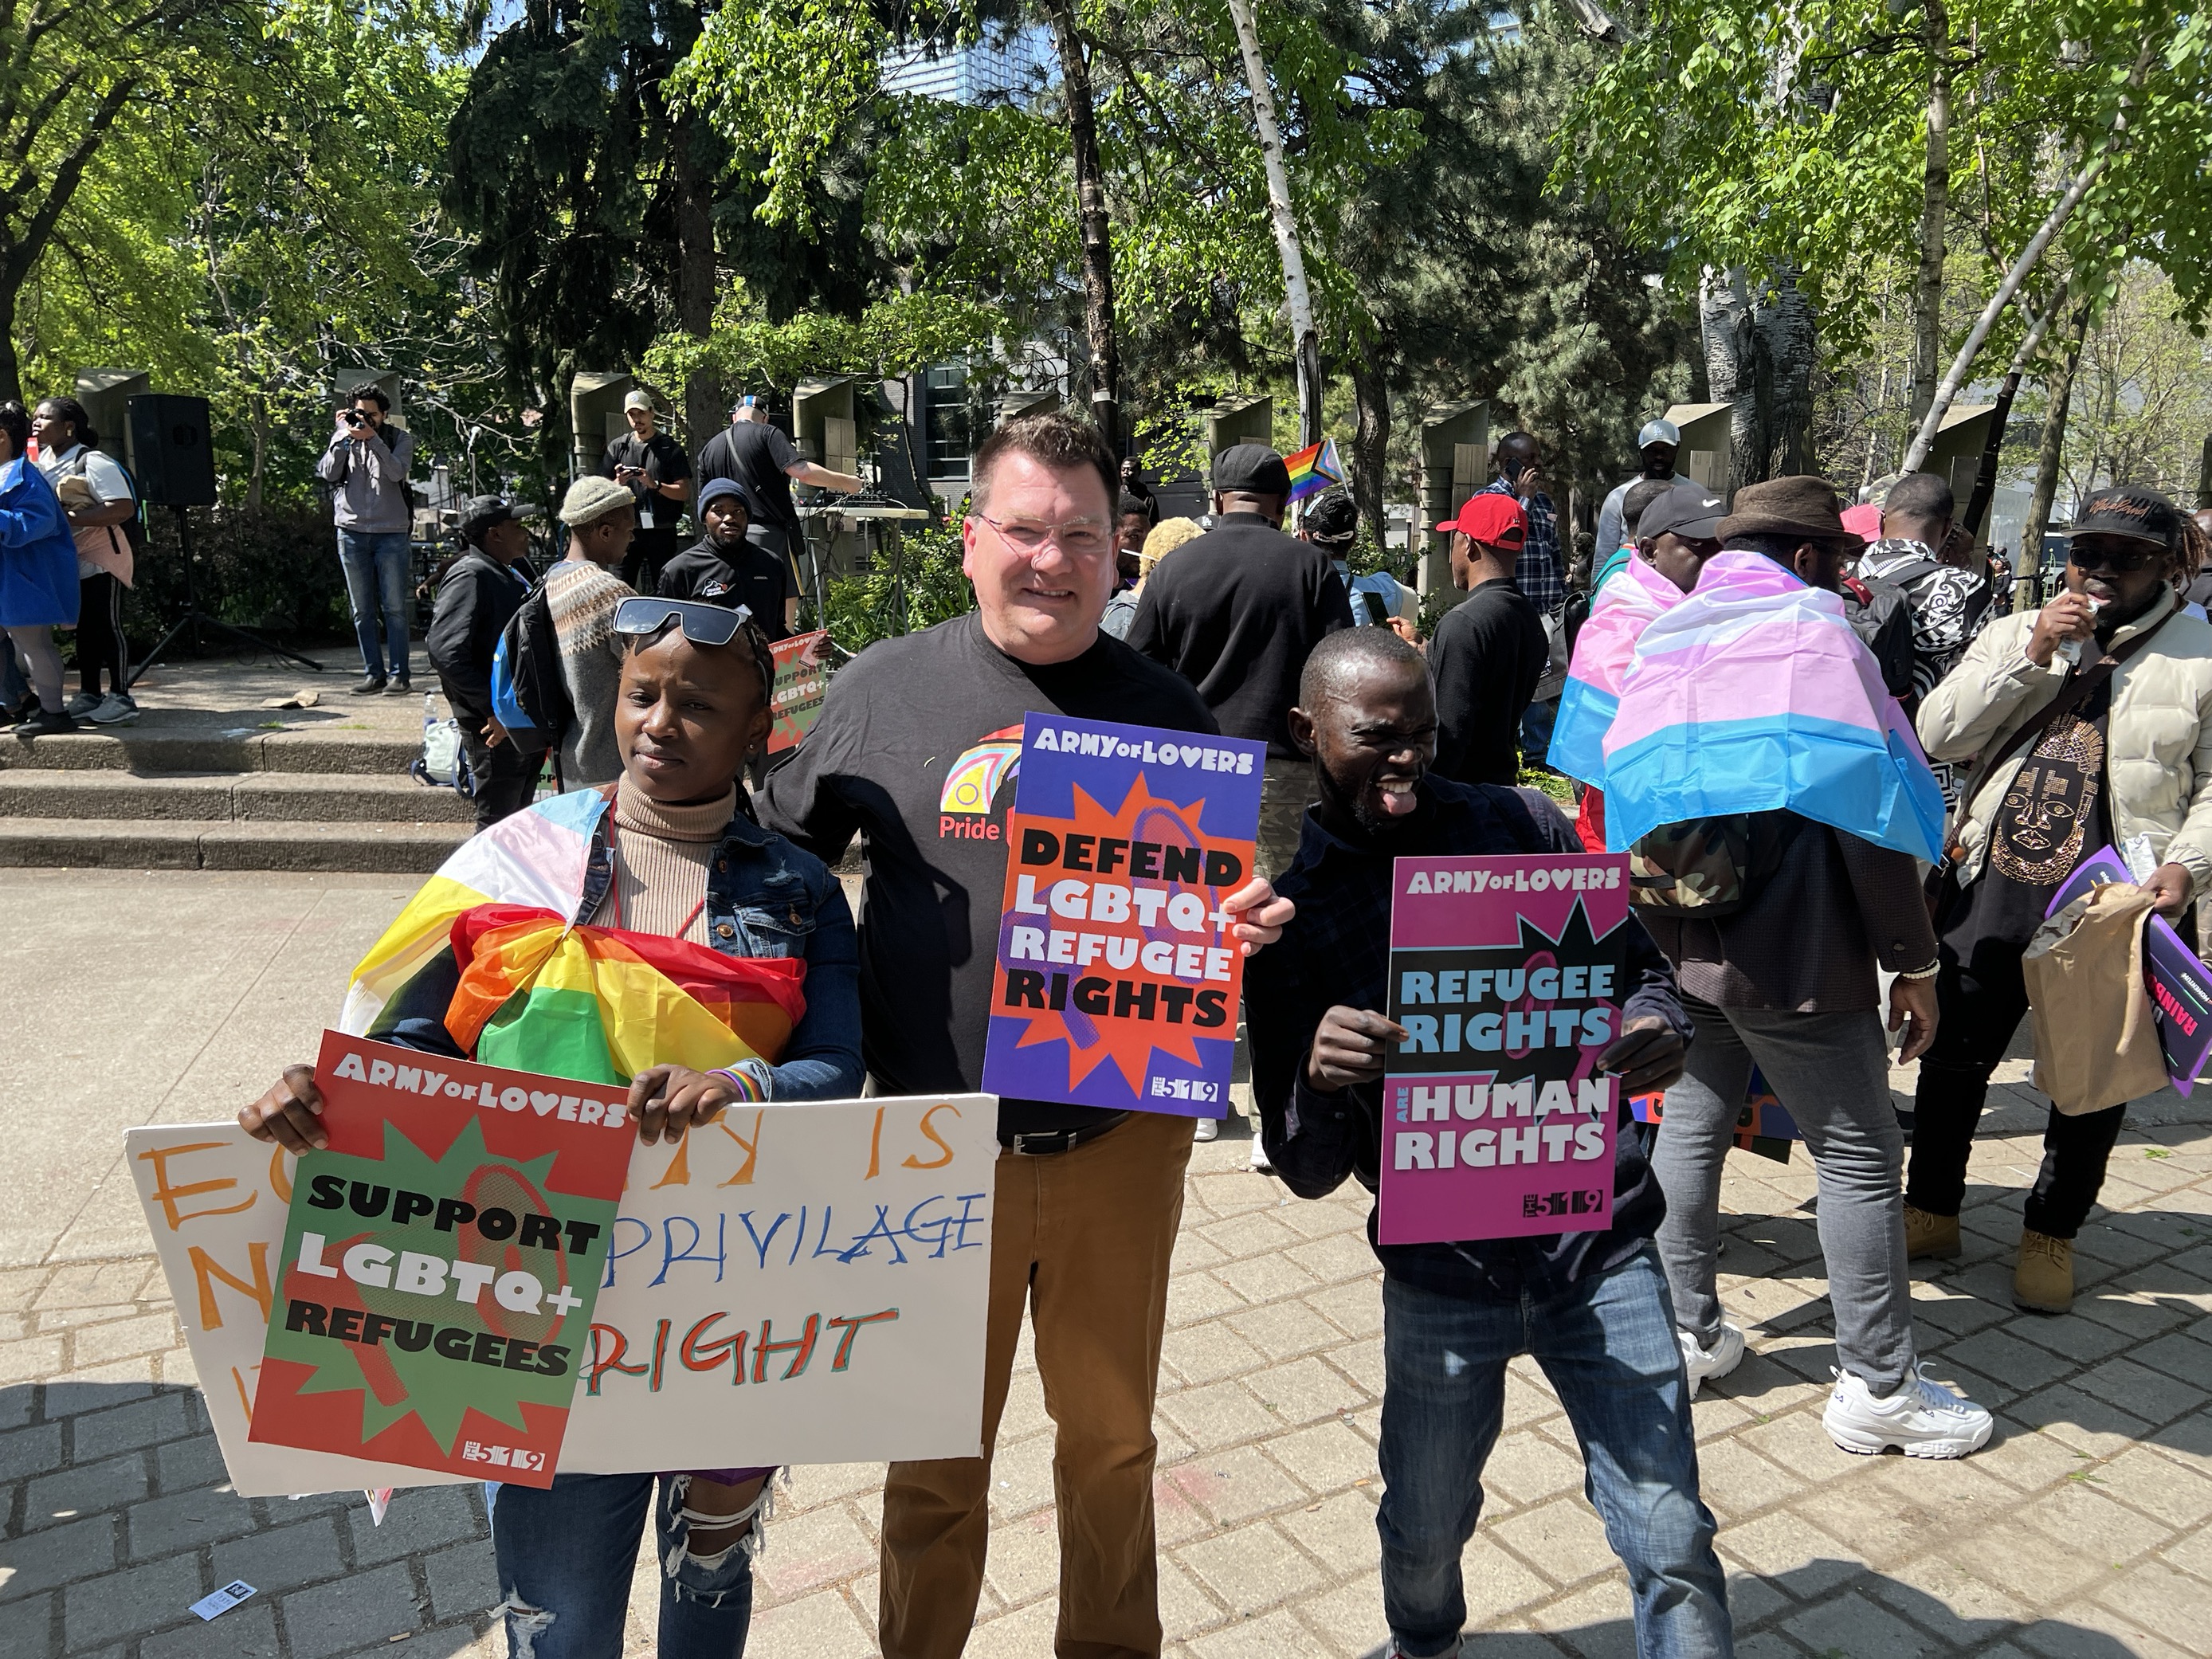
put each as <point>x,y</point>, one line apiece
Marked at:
<point>1047,1142</point>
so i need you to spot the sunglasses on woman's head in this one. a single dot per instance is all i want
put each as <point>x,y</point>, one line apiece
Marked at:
<point>702,625</point>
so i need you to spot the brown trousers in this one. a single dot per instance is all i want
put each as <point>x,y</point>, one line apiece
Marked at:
<point>1084,1238</point>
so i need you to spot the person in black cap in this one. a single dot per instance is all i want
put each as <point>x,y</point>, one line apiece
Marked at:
<point>1678,532</point>
<point>725,568</point>
<point>1235,613</point>
<point>2071,755</point>
<point>481,591</point>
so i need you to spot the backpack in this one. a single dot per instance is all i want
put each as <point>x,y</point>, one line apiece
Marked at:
<point>134,527</point>
<point>1880,614</point>
<point>1702,869</point>
<point>529,694</point>
<point>1561,629</point>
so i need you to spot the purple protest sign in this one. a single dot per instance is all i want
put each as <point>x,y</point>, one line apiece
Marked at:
<point>1506,974</point>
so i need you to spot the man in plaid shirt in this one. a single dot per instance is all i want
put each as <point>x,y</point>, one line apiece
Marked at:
<point>1539,573</point>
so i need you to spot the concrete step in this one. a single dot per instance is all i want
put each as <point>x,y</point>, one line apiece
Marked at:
<point>201,844</point>
<point>245,797</point>
<point>150,748</point>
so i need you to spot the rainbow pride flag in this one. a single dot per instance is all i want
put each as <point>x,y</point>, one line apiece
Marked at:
<point>491,948</point>
<point>1313,468</point>
<point>1752,694</point>
<point>1631,600</point>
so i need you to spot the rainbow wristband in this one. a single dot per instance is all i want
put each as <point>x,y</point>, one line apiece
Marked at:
<point>748,1086</point>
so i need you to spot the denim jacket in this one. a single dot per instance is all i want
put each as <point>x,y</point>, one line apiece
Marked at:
<point>765,897</point>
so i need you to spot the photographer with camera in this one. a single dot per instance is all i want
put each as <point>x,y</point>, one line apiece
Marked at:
<point>652,465</point>
<point>366,467</point>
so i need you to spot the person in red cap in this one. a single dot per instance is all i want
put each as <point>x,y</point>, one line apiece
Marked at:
<point>1490,649</point>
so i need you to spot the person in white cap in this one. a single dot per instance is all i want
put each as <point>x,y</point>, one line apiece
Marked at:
<point>652,466</point>
<point>1658,444</point>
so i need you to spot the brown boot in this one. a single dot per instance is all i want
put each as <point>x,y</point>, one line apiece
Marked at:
<point>1926,1235</point>
<point>2044,1280</point>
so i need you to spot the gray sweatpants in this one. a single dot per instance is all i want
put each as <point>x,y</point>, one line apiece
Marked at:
<point>1832,1073</point>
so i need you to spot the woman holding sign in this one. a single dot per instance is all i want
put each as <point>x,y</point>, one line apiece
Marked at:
<point>663,900</point>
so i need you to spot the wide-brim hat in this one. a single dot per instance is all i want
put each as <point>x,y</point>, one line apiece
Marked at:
<point>1803,505</point>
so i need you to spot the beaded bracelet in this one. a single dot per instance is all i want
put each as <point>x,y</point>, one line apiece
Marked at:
<point>1929,972</point>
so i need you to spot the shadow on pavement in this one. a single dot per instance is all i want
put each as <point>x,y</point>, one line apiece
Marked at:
<point>119,1516</point>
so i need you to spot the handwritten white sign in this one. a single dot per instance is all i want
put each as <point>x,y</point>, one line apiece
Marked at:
<point>797,1283</point>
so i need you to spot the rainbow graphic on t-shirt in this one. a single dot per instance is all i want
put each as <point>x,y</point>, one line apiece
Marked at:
<point>971,782</point>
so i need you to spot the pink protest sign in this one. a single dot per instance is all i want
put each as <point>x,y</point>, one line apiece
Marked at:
<point>1506,974</point>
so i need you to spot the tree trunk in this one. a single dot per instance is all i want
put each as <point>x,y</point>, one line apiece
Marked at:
<point>2050,453</point>
<point>1986,475</point>
<point>1092,216</point>
<point>1369,461</point>
<point>260,405</point>
<point>1297,297</point>
<point>1932,422</point>
<point>1730,332</point>
<point>1934,209</point>
<point>695,278</point>
<point>1788,347</point>
<point>11,366</point>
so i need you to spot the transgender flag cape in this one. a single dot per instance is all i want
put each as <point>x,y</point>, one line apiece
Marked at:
<point>1754,693</point>
<point>491,948</point>
<point>1625,606</point>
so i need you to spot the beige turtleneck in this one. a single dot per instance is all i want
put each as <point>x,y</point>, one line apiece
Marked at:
<point>660,862</point>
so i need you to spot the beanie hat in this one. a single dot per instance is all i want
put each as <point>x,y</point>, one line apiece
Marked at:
<point>592,498</point>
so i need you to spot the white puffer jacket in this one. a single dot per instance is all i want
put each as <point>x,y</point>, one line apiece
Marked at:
<point>2158,742</point>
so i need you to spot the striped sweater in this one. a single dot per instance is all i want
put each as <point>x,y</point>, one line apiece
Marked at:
<point>582,598</point>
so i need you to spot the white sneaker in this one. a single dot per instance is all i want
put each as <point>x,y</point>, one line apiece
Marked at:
<point>82,704</point>
<point>1259,1154</point>
<point>1208,1129</point>
<point>1921,1420</point>
<point>116,709</point>
<point>1717,1361</point>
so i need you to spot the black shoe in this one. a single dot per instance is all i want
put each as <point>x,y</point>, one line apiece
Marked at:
<point>45,725</point>
<point>400,688</point>
<point>369,687</point>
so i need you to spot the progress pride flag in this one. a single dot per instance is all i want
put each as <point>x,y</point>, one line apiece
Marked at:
<point>1506,974</point>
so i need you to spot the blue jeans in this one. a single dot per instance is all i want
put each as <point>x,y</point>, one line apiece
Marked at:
<point>566,1554</point>
<point>375,565</point>
<point>1608,1344</point>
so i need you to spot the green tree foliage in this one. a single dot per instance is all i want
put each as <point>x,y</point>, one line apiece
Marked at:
<point>239,199</point>
<point>1735,133</point>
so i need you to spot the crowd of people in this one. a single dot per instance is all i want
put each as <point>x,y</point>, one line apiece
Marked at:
<point>2066,727</point>
<point>69,531</point>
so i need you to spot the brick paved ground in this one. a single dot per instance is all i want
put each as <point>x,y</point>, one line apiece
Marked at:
<point>2081,1531</point>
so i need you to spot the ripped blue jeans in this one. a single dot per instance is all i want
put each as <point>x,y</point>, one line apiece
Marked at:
<point>566,1554</point>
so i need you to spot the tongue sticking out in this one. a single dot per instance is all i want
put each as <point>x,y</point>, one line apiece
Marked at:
<point>1397,798</point>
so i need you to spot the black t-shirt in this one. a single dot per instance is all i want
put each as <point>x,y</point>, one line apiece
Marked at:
<point>1236,612</point>
<point>1487,655</point>
<point>744,574</point>
<point>756,454</point>
<point>664,462</point>
<point>2054,814</point>
<point>916,751</point>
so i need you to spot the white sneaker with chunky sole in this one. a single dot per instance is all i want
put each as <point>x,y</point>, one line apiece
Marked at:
<point>1708,1364</point>
<point>1921,1420</point>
